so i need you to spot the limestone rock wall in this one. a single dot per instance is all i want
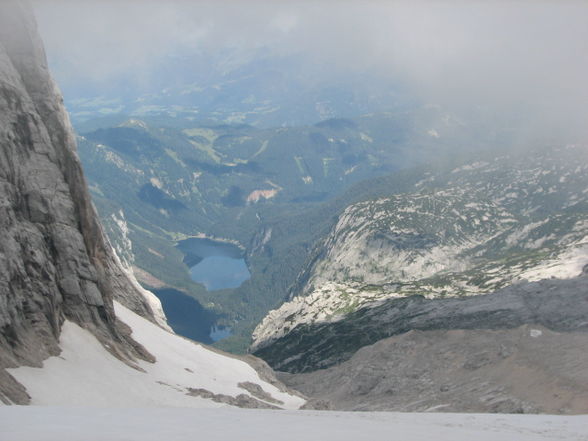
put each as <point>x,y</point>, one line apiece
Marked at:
<point>55,260</point>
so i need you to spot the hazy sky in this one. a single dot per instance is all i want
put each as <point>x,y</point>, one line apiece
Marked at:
<point>526,54</point>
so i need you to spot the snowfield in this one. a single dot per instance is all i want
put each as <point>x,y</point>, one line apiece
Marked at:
<point>86,374</point>
<point>31,423</point>
<point>87,394</point>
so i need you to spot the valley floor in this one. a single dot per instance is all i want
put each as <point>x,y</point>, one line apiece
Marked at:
<point>33,423</point>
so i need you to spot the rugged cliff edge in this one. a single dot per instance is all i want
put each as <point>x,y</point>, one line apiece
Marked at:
<point>55,261</point>
<point>558,305</point>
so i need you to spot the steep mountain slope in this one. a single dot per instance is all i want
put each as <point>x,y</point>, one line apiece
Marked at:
<point>475,229</point>
<point>68,307</point>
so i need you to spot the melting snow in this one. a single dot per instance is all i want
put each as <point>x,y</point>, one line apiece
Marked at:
<point>86,374</point>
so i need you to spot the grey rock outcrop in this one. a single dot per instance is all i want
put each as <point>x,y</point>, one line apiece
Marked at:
<point>241,400</point>
<point>558,305</point>
<point>55,260</point>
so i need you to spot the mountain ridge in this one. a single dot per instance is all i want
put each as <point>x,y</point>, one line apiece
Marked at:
<point>469,230</point>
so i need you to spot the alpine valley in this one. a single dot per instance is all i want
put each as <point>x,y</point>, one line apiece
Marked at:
<point>379,254</point>
<point>271,192</point>
<point>464,244</point>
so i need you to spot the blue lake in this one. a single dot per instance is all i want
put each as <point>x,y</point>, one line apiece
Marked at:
<point>189,318</point>
<point>217,265</point>
<point>218,272</point>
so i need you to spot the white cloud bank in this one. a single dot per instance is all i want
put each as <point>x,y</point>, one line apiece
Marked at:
<point>529,58</point>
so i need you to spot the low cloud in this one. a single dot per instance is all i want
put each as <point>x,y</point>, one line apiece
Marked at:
<point>526,58</point>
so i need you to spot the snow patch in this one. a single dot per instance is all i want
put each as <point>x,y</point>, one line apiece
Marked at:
<point>85,374</point>
<point>535,333</point>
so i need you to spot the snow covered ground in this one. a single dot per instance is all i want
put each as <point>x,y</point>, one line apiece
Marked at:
<point>22,423</point>
<point>86,374</point>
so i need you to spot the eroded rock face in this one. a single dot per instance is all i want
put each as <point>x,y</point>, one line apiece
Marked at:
<point>55,260</point>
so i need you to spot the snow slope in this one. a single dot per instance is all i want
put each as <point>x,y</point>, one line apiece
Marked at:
<point>86,374</point>
<point>72,424</point>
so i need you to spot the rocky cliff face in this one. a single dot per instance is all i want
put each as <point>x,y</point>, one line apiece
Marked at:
<point>468,231</point>
<point>55,261</point>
